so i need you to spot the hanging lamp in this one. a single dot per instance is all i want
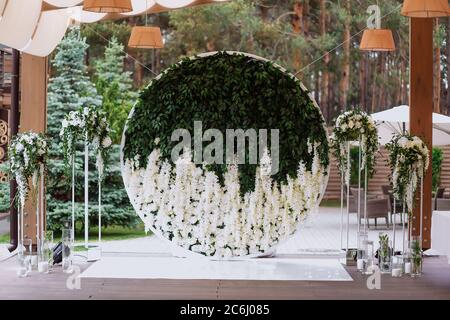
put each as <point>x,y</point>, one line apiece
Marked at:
<point>374,37</point>
<point>108,6</point>
<point>377,40</point>
<point>425,8</point>
<point>146,37</point>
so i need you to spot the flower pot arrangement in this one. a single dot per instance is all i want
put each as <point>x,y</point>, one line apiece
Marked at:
<point>409,159</point>
<point>28,154</point>
<point>88,124</point>
<point>354,127</point>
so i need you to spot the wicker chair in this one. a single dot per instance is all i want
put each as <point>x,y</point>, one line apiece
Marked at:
<point>443,204</point>
<point>376,207</point>
<point>387,192</point>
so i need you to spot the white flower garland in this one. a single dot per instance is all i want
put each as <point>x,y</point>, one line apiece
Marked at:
<point>355,125</point>
<point>409,159</point>
<point>89,124</point>
<point>187,205</point>
<point>28,154</point>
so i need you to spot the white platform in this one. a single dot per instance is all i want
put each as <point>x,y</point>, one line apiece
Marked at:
<point>320,235</point>
<point>282,269</point>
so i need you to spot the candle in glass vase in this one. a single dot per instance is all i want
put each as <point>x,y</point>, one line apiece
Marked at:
<point>360,264</point>
<point>43,266</point>
<point>396,272</point>
<point>22,272</point>
<point>408,267</point>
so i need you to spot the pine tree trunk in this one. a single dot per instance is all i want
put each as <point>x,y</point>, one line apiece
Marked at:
<point>345,77</point>
<point>448,66</point>
<point>405,81</point>
<point>437,73</point>
<point>362,81</point>
<point>297,26</point>
<point>382,91</point>
<point>325,79</point>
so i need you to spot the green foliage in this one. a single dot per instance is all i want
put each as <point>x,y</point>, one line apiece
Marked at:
<point>115,86</point>
<point>227,92</point>
<point>354,156</point>
<point>4,197</point>
<point>69,90</point>
<point>437,158</point>
<point>116,209</point>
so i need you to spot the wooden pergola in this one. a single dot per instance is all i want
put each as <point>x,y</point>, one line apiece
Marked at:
<point>30,75</point>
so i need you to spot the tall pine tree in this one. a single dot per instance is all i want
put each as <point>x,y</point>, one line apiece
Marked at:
<point>115,86</point>
<point>69,89</point>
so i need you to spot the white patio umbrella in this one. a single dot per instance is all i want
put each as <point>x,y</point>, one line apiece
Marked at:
<point>396,120</point>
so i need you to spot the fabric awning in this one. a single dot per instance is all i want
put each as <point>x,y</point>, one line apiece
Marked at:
<point>37,26</point>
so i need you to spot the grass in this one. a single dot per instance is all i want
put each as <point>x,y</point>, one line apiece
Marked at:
<point>4,238</point>
<point>331,203</point>
<point>108,234</point>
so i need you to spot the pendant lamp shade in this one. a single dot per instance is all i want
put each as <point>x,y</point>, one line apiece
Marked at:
<point>425,8</point>
<point>108,6</point>
<point>377,40</point>
<point>146,38</point>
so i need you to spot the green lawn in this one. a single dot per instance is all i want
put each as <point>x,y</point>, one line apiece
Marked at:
<point>4,238</point>
<point>108,234</point>
<point>331,203</point>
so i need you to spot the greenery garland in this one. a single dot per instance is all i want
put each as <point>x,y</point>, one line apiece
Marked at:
<point>227,91</point>
<point>88,124</point>
<point>409,159</point>
<point>28,153</point>
<point>355,125</point>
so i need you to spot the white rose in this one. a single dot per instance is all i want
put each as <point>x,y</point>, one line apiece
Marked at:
<point>86,111</point>
<point>351,124</point>
<point>65,123</point>
<point>106,142</point>
<point>19,147</point>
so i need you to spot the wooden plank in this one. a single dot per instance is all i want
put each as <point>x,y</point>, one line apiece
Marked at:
<point>434,284</point>
<point>421,111</point>
<point>33,117</point>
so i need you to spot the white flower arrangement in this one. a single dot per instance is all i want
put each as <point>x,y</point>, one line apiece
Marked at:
<point>28,154</point>
<point>89,124</point>
<point>355,125</point>
<point>187,205</point>
<point>409,159</point>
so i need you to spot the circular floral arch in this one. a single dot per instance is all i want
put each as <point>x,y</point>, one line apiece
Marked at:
<point>225,210</point>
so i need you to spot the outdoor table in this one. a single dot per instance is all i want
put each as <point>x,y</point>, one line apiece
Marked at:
<point>440,232</point>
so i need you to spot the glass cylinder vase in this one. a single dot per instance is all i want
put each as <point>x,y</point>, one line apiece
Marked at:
<point>397,266</point>
<point>416,254</point>
<point>45,262</point>
<point>361,259</point>
<point>67,256</point>
<point>24,256</point>
<point>384,253</point>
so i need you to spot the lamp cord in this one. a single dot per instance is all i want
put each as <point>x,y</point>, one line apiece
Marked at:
<point>123,51</point>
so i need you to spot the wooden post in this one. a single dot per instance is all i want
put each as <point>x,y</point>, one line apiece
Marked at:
<point>421,112</point>
<point>33,116</point>
<point>14,127</point>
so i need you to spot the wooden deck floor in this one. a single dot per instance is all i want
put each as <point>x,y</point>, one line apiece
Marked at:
<point>434,284</point>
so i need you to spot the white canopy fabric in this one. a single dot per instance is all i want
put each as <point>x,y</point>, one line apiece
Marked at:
<point>391,122</point>
<point>2,7</point>
<point>50,30</point>
<point>18,22</point>
<point>64,3</point>
<point>25,27</point>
